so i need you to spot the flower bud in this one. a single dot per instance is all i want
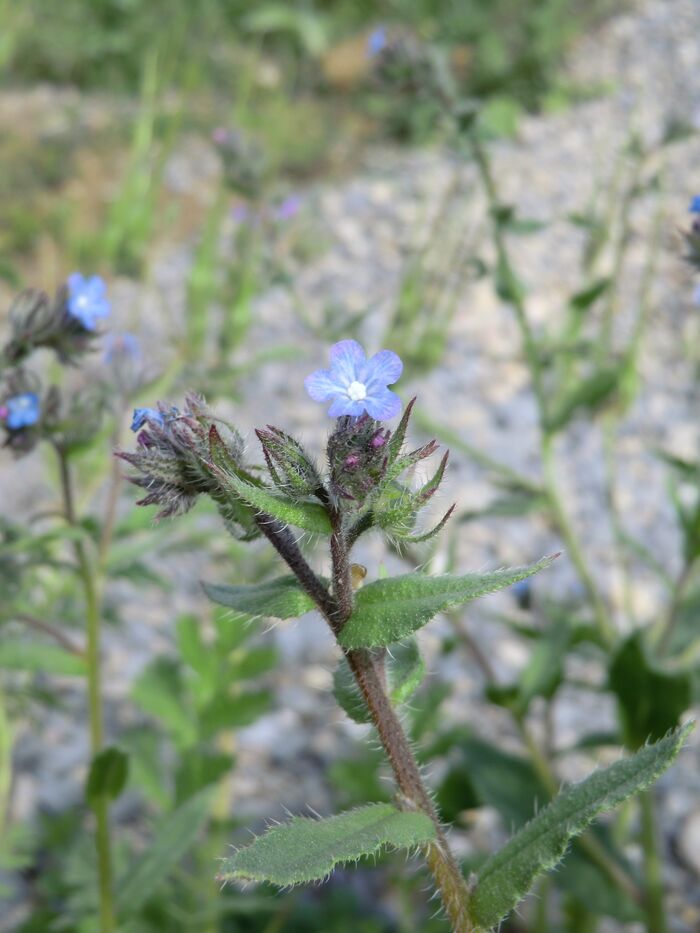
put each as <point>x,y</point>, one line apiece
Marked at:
<point>289,465</point>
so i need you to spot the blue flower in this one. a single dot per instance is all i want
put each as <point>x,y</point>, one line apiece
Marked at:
<point>695,205</point>
<point>376,42</point>
<point>356,384</point>
<point>22,411</point>
<point>142,415</point>
<point>696,295</point>
<point>87,301</point>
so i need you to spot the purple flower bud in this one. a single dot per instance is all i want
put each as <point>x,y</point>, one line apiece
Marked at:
<point>352,461</point>
<point>379,440</point>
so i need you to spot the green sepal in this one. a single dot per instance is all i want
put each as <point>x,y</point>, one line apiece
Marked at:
<point>507,876</point>
<point>388,610</point>
<point>311,516</point>
<point>307,849</point>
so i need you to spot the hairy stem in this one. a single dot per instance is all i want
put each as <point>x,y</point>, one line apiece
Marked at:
<point>336,609</point>
<point>88,577</point>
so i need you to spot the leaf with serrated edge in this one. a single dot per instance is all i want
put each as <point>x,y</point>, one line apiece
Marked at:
<point>507,876</point>
<point>388,610</point>
<point>307,849</point>
<point>311,516</point>
<point>279,599</point>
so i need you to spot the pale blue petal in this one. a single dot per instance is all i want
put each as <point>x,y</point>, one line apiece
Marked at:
<point>347,360</point>
<point>382,405</point>
<point>342,405</point>
<point>322,385</point>
<point>383,369</point>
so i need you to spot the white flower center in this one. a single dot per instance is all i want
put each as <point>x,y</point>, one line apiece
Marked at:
<point>357,391</point>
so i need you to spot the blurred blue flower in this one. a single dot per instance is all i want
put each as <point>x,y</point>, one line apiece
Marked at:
<point>289,207</point>
<point>357,385</point>
<point>121,346</point>
<point>695,205</point>
<point>142,415</point>
<point>522,593</point>
<point>696,295</point>
<point>377,41</point>
<point>22,411</point>
<point>240,213</point>
<point>87,300</point>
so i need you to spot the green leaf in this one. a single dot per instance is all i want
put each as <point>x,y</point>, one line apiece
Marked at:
<point>233,712</point>
<point>507,876</point>
<point>107,777</point>
<point>590,394</point>
<point>307,850</point>
<point>174,837</point>
<point>651,701</point>
<point>311,516</point>
<point>588,296</point>
<point>388,610</point>
<point>404,668</point>
<point>17,654</point>
<point>161,693</point>
<point>280,599</point>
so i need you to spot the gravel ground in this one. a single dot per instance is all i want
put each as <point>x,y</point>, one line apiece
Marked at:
<point>649,62</point>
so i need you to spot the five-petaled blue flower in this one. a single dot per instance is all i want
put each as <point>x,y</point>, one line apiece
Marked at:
<point>356,384</point>
<point>695,205</point>
<point>376,42</point>
<point>142,415</point>
<point>87,300</point>
<point>22,411</point>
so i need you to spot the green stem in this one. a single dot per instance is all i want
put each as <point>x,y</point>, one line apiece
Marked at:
<point>88,578</point>
<point>656,915</point>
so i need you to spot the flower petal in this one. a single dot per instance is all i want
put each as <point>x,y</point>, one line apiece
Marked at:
<point>347,360</point>
<point>383,369</point>
<point>342,405</point>
<point>321,385</point>
<point>382,405</point>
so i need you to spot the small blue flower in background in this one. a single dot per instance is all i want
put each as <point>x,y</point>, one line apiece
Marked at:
<point>288,208</point>
<point>695,205</point>
<point>357,385</point>
<point>522,593</point>
<point>696,295</point>
<point>22,411</point>
<point>142,415</point>
<point>87,300</point>
<point>376,42</point>
<point>121,346</point>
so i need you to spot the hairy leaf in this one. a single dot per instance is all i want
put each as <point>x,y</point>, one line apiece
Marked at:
<point>307,850</point>
<point>388,610</point>
<point>507,876</point>
<point>311,516</point>
<point>281,598</point>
